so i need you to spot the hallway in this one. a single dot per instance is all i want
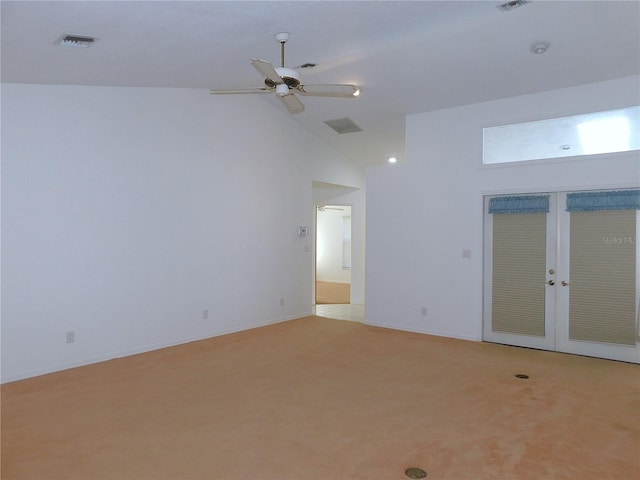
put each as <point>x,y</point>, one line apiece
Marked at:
<point>354,313</point>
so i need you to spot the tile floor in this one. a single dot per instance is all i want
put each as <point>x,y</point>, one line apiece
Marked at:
<point>354,313</point>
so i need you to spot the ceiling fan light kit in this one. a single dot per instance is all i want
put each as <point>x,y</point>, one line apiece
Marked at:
<point>286,81</point>
<point>282,90</point>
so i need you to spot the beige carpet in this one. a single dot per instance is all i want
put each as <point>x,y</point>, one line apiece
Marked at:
<point>331,292</point>
<point>316,398</point>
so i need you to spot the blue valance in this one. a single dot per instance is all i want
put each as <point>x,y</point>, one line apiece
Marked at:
<point>520,204</point>
<point>610,200</point>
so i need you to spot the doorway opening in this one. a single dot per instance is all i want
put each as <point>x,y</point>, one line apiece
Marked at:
<point>333,254</point>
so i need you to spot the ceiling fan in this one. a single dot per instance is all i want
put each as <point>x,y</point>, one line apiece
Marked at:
<point>323,208</point>
<point>286,81</point>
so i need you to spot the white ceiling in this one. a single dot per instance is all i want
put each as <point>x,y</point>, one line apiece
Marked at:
<point>407,56</point>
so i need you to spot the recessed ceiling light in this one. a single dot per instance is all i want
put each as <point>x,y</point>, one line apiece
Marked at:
<point>393,159</point>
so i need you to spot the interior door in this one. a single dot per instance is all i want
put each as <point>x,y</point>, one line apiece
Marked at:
<point>598,294</point>
<point>520,271</point>
<point>586,265</point>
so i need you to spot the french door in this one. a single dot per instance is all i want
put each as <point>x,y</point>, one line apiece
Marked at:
<point>562,274</point>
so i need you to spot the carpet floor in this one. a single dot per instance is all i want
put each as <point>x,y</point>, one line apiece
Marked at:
<point>316,398</point>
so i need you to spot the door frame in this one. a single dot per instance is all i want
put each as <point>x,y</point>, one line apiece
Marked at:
<point>625,353</point>
<point>557,300</point>
<point>548,342</point>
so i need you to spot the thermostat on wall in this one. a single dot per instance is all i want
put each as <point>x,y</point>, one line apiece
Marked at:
<point>302,231</point>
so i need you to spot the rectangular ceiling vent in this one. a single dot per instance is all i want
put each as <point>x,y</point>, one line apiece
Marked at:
<point>505,7</point>
<point>75,41</point>
<point>343,125</point>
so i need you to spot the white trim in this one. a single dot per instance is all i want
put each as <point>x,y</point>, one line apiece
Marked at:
<point>403,328</point>
<point>557,160</point>
<point>559,188</point>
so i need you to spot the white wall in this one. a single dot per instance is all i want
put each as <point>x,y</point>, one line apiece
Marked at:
<point>421,214</point>
<point>355,198</point>
<point>126,212</point>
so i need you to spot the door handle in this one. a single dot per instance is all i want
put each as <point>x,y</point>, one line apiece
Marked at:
<point>564,283</point>
<point>551,282</point>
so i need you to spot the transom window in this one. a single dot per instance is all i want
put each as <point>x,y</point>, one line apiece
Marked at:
<point>589,134</point>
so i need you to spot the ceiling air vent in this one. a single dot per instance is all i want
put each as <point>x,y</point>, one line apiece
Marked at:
<point>75,41</point>
<point>343,125</point>
<point>505,7</point>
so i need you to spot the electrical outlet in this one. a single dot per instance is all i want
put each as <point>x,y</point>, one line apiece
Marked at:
<point>423,311</point>
<point>205,314</point>
<point>71,336</point>
<point>282,302</point>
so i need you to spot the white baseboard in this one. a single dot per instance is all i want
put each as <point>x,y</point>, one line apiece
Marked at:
<point>143,349</point>
<point>436,333</point>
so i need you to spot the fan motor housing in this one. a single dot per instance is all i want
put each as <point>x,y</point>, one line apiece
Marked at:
<point>290,77</point>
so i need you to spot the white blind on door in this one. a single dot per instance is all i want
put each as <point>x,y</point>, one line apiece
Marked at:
<point>603,273</point>
<point>519,265</point>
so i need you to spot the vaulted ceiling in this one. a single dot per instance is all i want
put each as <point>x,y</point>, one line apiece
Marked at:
<point>407,56</point>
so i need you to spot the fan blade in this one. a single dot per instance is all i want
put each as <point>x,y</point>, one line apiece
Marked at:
<point>266,70</point>
<point>292,103</point>
<point>341,90</point>
<point>246,90</point>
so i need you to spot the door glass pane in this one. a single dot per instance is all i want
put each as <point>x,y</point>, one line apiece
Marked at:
<point>603,273</point>
<point>519,273</point>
